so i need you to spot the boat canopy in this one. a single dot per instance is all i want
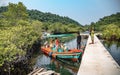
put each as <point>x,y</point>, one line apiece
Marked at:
<point>58,35</point>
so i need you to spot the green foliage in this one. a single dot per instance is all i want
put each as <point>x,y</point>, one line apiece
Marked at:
<point>109,26</point>
<point>16,39</point>
<point>15,12</point>
<point>111,31</point>
<point>112,19</point>
<point>19,30</point>
<point>86,27</point>
<point>55,23</point>
<point>57,27</point>
<point>48,17</point>
<point>3,9</point>
<point>61,28</point>
<point>50,20</point>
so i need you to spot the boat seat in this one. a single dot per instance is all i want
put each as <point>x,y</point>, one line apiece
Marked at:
<point>60,50</point>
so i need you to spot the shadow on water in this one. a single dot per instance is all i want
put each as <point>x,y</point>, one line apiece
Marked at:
<point>114,49</point>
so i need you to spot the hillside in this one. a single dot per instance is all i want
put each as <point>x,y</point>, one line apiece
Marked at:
<point>109,26</point>
<point>109,19</point>
<point>21,31</point>
<point>49,17</point>
<point>51,22</point>
<point>46,17</point>
<point>112,19</point>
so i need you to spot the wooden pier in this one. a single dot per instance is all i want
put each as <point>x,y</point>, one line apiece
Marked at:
<point>42,71</point>
<point>97,60</point>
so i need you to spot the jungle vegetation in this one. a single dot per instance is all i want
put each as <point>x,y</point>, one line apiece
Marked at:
<point>20,28</point>
<point>109,26</point>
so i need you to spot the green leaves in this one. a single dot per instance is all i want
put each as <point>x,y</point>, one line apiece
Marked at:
<point>18,32</point>
<point>16,40</point>
<point>52,18</point>
<point>15,12</point>
<point>111,31</point>
<point>112,19</point>
<point>59,27</point>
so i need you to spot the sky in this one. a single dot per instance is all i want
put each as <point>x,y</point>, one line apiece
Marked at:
<point>82,11</point>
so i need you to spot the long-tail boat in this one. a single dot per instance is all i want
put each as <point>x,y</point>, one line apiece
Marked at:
<point>72,54</point>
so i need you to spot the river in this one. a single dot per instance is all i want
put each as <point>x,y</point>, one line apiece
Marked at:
<point>113,48</point>
<point>61,66</point>
<point>41,60</point>
<point>71,68</point>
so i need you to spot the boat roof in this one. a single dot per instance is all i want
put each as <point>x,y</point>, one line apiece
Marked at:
<point>58,35</point>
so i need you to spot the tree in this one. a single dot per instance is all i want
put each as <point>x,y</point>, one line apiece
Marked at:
<point>111,32</point>
<point>15,12</point>
<point>21,11</point>
<point>112,19</point>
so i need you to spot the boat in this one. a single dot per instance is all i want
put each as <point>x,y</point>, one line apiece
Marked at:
<point>71,54</point>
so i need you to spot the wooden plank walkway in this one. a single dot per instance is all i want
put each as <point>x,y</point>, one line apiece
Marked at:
<point>97,60</point>
<point>42,71</point>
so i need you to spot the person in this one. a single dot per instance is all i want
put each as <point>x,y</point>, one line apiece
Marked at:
<point>78,41</point>
<point>51,43</point>
<point>65,48</point>
<point>92,36</point>
<point>56,42</point>
<point>46,44</point>
<point>60,49</point>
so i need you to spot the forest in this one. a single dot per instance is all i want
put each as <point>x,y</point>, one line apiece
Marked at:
<point>109,26</point>
<point>21,28</point>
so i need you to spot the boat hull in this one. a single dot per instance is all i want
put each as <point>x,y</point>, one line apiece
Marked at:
<point>72,54</point>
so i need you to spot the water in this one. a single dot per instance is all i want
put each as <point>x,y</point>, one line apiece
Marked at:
<point>72,44</point>
<point>114,49</point>
<point>61,66</point>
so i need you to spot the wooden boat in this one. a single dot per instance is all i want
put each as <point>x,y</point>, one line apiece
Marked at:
<point>73,54</point>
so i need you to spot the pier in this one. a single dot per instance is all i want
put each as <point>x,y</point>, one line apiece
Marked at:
<point>97,60</point>
<point>43,71</point>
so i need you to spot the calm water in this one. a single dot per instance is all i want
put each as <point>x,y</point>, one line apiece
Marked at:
<point>71,68</point>
<point>61,66</point>
<point>113,48</point>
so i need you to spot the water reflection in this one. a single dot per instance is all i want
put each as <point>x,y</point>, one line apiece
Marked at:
<point>42,60</point>
<point>114,49</point>
<point>73,44</point>
<point>61,66</point>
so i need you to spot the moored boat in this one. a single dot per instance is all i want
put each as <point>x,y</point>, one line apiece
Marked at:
<point>55,52</point>
<point>73,54</point>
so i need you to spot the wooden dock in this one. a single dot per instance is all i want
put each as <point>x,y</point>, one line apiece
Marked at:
<point>97,60</point>
<point>42,71</point>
